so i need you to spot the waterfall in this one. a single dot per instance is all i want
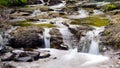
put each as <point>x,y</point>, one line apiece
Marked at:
<point>1,41</point>
<point>5,37</point>
<point>67,36</point>
<point>42,2</point>
<point>82,14</point>
<point>90,42</point>
<point>47,37</point>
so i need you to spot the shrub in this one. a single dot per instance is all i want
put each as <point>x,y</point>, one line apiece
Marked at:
<point>13,2</point>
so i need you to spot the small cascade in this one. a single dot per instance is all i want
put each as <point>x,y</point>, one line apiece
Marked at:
<point>47,37</point>
<point>97,12</point>
<point>90,42</point>
<point>5,37</point>
<point>67,36</point>
<point>42,2</point>
<point>36,13</point>
<point>1,41</point>
<point>82,14</point>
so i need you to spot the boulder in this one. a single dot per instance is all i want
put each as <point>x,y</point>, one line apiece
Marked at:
<point>56,39</point>
<point>27,37</point>
<point>111,36</point>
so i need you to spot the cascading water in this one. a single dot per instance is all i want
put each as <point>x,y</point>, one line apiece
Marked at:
<point>1,41</point>
<point>90,43</point>
<point>36,13</point>
<point>42,2</point>
<point>82,14</point>
<point>67,36</point>
<point>4,40</point>
<point>47,37</point>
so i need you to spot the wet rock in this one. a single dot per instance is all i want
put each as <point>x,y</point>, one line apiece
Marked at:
<point>7,57</point>
<point>80,30</point>
<point>111,36</point>
<point>27,37</point>
<point>115,18</point>
<point>64,46</point>
<point>89,5</point>
<point>34,2</point>
<point>6,65</point>
<point>52,2</point>
<point>56,39</point>
<point>44,55</point>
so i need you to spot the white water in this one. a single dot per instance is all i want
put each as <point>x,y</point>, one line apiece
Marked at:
<point>97,12</point>
<point>67,59</point>
<point>42,2</point>
<point>58,6</point>
<point>36,13</point>
<point>82,14</point>
<point>90,43</point>
<point>67,36</point>
<point>1,41</point>
<point>59,22</point>
<point>47,37</point>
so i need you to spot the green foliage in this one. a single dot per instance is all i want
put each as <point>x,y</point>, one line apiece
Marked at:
<point>4,2</point>
<point>110,7</point>
<point>13,2</point>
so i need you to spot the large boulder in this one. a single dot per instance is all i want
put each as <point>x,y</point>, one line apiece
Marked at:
<point>111,36</point>
<point>27,37</point>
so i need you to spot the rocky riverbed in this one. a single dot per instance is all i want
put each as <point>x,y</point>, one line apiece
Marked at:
<point>47,34</point>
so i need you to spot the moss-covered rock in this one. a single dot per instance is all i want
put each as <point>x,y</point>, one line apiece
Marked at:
<point>93,20</point>
<point>56,39</point>
<point>27,37</point>
<point>109,7</point>
<point>29,23</point>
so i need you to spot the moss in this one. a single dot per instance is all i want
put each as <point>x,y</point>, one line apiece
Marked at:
<point>94,20</point>
<point>109,7</point>
<point>22,23</point>
<point>106,32</point>
<point>28,23</point>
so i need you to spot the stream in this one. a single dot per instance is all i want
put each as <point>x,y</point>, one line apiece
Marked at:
<point>85,54</point>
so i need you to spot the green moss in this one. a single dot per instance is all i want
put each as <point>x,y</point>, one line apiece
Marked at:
<point>106,32</point>
<point>94,20</point>
<point>28,23</point>
<point>22,23</point>
<point>109,7</point>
